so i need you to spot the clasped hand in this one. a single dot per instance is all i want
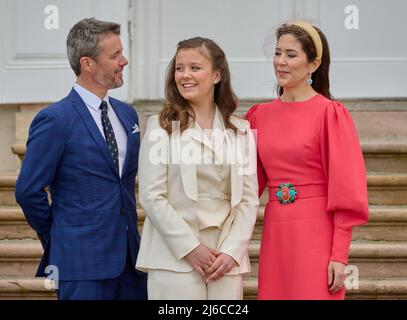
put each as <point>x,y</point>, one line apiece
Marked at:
<point>211,264</point>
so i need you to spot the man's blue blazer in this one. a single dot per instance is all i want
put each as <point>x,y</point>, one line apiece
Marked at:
<point>92,216</point>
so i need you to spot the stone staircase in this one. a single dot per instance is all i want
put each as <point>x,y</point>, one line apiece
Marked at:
<point>378,249</point>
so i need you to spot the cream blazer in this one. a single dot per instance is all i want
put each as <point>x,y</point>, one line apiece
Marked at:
<point>168,194</point>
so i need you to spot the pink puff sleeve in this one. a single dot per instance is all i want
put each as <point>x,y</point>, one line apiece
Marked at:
<point>261,173</point>
<point>346,176</point>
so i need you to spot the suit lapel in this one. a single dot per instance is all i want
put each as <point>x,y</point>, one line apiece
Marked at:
<point>200,137</point>
<point>188,170</point>
<point>124,119</point>
<point>236,179</point>
<point>83,111</point>
<point>181,144</point>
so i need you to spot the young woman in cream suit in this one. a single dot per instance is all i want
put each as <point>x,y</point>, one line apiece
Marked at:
<point>197,182</point>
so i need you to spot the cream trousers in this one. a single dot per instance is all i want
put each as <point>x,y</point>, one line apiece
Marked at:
<point>171,285</point>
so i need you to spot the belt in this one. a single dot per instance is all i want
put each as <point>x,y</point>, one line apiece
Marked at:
<point>287,193</point>
<point>214,195</point>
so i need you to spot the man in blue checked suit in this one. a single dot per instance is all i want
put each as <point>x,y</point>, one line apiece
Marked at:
<point>84,149</point>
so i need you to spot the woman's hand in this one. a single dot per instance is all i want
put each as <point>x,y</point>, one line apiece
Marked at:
<point>201,258</point>
<point>336,276</point>
<point>222,265</point>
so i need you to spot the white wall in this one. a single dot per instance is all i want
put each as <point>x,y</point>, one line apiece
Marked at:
<point>372,61</point>
<point>367,63</point>
<point>33,63</point>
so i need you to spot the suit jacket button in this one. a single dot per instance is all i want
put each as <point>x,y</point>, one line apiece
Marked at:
<point>123,210</point>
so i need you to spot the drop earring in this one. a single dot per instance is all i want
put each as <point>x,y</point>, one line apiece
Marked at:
<point>309,81</point>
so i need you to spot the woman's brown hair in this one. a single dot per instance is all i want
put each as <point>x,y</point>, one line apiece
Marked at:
<point>176,108</point>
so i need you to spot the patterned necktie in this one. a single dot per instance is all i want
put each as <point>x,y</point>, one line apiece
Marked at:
<point>109,135</point>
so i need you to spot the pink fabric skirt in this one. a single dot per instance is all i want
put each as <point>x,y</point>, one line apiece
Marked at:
<point>295,251</point>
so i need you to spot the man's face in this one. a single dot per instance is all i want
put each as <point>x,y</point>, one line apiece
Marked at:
<point>110,62</point>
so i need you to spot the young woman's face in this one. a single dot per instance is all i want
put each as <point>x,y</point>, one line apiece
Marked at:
<point>291,65</point>
<point>195,77</point>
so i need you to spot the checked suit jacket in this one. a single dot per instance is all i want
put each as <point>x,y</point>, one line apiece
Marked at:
<point>91,219</point>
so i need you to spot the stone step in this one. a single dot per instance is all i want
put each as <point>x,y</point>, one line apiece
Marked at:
<point>25,288</point>
<point>29,288</point>
<point>387,189</point>
<point>379,289</point>
<point>7,187</point>
<point>19,257</point>
<point>382,123</point>
<point>379,155</point>
<point>388,156</point>
<point>387,223</point>
<point>383,189</point>
<point>370,288</point>
<point>372,258</point>
<point>13,224</point>
<point>369,258</point>
<point>35,288</point>
<point>379,259</point>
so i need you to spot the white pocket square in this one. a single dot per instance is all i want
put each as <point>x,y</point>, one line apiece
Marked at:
<point>135,128</point>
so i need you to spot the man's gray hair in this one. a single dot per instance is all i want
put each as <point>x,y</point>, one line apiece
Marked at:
<point>83,40</point>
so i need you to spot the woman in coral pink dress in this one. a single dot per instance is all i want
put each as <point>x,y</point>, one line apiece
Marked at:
<point>310,158</point>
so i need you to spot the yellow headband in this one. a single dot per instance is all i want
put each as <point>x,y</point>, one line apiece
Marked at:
<point>313,33</point>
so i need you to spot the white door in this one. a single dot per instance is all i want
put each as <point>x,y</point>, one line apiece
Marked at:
<point>33,63</point>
